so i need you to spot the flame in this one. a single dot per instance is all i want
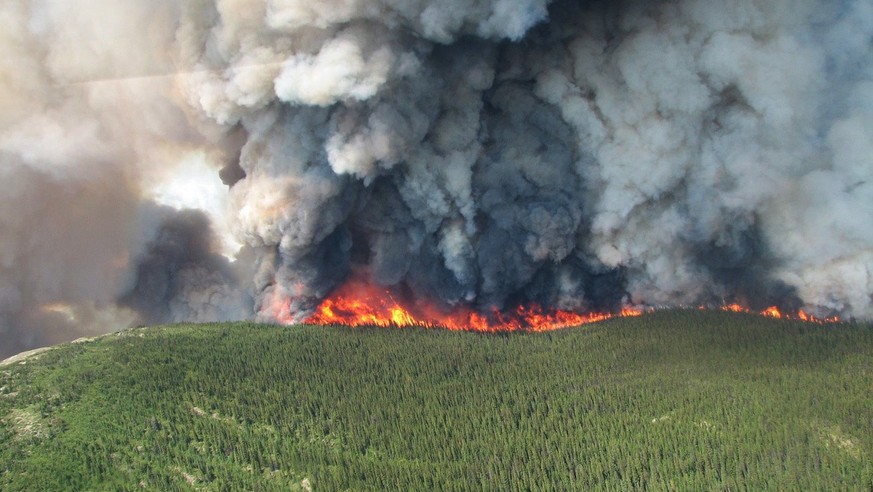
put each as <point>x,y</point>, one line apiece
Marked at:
<point>775,312</point>
<point>361,303</point>
<point>734,308</point>
<point>772,312</point>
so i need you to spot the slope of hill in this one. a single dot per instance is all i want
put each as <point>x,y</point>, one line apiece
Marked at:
<point>682,400</point>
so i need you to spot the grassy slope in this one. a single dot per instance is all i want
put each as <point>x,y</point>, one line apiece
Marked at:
<point>691,400</point>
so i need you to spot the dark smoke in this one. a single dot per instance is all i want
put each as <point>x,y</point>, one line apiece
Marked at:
<point>180,278</point>
<point>578,154</point>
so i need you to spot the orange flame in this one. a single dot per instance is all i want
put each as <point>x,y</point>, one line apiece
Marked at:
<point>361,303</point>
<point>775,312</point>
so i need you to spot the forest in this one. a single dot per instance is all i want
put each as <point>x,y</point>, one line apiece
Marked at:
<point>673,400</point>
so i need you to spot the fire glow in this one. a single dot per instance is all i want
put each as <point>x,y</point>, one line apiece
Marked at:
<point>359,303</point>
<point>775,312</point>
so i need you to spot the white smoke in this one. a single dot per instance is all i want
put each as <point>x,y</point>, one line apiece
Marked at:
<point>88,121</point>
<point>580,154</point>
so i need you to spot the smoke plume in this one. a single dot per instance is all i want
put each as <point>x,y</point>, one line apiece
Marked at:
<point>582,155</point>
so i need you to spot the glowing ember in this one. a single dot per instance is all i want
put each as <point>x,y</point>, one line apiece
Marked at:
<point>360,303</point>
<point>774,312</point>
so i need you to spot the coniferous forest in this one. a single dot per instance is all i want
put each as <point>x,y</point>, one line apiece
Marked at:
<point>675,400</point>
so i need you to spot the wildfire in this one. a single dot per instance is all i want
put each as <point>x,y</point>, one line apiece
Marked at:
<point>774,312</point>
<point>361,303</point>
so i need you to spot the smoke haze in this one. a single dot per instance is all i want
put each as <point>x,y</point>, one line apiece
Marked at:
<point>239,159</point>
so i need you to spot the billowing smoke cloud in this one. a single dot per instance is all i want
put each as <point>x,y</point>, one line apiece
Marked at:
<point>90,131</point>
<point>581,155</point>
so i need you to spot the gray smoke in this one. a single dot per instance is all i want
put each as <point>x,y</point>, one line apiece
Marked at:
<point>582,155</point>
<point>90,130</point>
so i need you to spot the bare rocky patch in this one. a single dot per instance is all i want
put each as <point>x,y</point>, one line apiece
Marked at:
<point>26,423</point>
<point>23,356</point>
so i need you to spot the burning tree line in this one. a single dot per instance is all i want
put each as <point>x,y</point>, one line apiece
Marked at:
<point>358,303</point>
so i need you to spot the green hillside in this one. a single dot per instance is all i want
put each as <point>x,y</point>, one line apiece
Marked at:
<point>683,400</point>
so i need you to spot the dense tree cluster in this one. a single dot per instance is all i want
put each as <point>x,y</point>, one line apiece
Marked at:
<point>680,400</point>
